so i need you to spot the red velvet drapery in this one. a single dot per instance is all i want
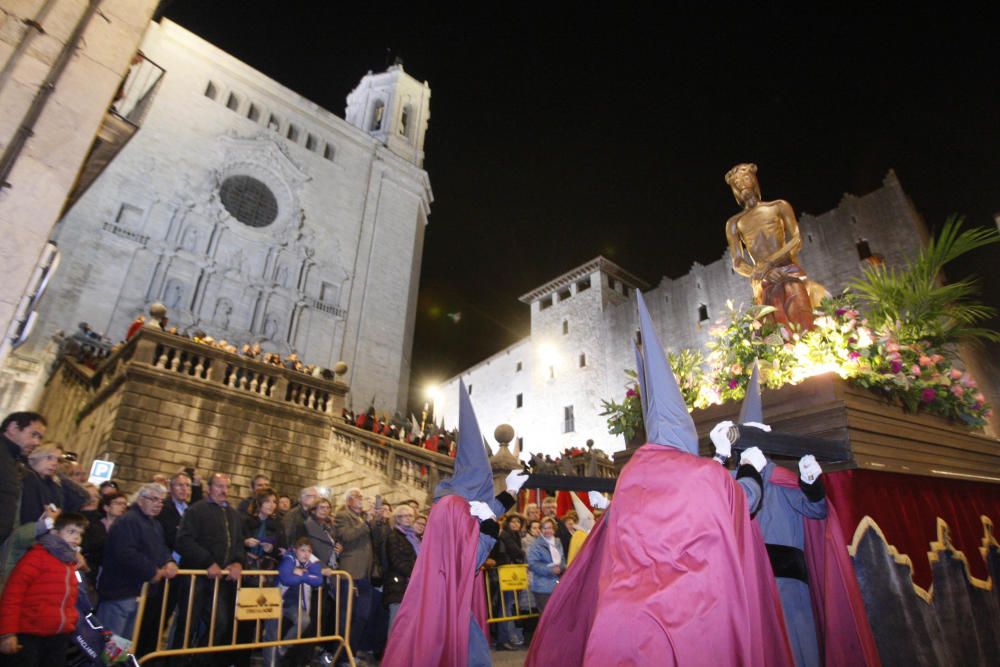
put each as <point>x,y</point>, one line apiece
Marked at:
<point>906,508</point>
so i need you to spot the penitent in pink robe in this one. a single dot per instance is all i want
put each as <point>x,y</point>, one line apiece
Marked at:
<point>674,574</point>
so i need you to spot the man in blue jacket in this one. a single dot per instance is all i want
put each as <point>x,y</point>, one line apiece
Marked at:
<point>134,554</point>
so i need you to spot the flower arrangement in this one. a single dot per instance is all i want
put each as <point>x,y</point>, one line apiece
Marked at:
<point>625,417</point>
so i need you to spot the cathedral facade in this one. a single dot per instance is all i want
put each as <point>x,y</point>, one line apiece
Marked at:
<point>254,215</point>
<point>549,385</point>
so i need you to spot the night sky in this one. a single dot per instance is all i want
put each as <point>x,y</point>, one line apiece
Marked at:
<point>559,133</point>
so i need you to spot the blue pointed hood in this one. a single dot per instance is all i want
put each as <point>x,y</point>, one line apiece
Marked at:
<point>666,416</point>
<point>752,409</point>
<point>473,478</point>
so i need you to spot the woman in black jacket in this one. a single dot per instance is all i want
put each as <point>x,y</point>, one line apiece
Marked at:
<point>401,549</point>
<point>263,535</point>
<point>510,636</point>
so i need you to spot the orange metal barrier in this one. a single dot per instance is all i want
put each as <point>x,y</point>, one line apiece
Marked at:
<point>263,608</point>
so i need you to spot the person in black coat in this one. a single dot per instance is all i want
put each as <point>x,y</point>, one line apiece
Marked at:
<point>264,536</point>
<point>42,486</point>
<point>20,433</point>
<point>508,635</point>
<point>401,549</point>
<point>210,538</point>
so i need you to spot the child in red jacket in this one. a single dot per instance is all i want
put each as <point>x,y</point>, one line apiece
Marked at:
<point>38,608</point>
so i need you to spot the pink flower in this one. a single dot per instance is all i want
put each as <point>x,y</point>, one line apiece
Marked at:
<point>896,366</point>
<point>852,341</point>
<point>936,358</point>
<point>957,390</point>
<point>928,395</point>
<point>736,369</point>
<point>733,384</point>
<point>840,311</point>
<point>851,314</point>
<point>891,347</point>
<point>630,393</point>
<point>915,370</point>
<point>979,397</point>
<point>925,361</point>
<point>853,355</point>
<point>955,374</point>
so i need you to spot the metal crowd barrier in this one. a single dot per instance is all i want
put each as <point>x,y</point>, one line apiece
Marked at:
<point>510,579</point>
<point>258,603</point>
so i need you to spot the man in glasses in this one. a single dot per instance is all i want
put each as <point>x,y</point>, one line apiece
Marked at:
<point>135,553</point>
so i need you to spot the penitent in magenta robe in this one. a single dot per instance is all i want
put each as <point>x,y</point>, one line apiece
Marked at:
<point>674,574</point>
<point>441,621</point>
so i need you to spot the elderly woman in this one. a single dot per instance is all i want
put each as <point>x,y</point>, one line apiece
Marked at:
<point>264,535</point>
<point>546,562</point>
<point>43,485</point>
<point>319,529</point>
<point>401,549</point>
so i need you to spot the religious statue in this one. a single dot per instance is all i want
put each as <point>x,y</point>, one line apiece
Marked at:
<point>764,242</point>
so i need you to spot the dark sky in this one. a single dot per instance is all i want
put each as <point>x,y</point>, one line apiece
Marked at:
<point>560,132</point>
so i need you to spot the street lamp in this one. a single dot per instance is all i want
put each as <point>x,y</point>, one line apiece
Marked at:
<point>432,392</point>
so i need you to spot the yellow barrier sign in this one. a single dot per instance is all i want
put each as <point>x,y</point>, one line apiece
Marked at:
<point>513,577</point>
<point>258,603</point>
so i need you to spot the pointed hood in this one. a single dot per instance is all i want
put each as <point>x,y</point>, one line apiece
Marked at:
<point>586,522</point>
<point>473,478</point>
<point>752,409</point>
<point>666,416</point>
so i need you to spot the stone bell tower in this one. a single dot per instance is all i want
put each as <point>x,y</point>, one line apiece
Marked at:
<point>394,108</point>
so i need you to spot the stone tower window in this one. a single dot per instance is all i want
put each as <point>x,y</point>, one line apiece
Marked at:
<point>519,401</point>
<point>583,360</point>
<point>565,327</point>
<point>253,113</point>
<point>328,152</point>
<point>404,121</point>
<point>311,142</point>
<point>293,132</point>
<point>378,110</point>
<point>273,123</point>
<point>233,103</point>
<point>249,201</point>
<point>864,250</point>
<point>702,313</point>
<point>211,92</point>
<point>568,421</point>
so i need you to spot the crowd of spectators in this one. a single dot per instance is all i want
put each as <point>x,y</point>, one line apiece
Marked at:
<point>177,521</point>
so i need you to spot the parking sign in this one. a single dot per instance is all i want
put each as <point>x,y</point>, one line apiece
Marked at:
<point>100,471</point>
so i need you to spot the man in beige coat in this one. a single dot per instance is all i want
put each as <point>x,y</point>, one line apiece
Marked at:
<point>355,535</point>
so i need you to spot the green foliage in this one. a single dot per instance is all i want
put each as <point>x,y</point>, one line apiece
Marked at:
<point>625,417</point>
<point>914,304</point>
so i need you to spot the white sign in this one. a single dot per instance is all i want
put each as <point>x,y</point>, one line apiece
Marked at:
<point>100,471</point>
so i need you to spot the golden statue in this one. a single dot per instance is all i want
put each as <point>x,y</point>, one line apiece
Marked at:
<point>764,241</point>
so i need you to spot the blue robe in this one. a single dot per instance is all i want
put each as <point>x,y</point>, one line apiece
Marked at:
<point>780,520</point>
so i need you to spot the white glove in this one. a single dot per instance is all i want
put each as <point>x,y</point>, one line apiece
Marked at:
<point>515,480</point>
<point>809,469</point>
<point>762,427</point>
<point>720,438</point>
<point>597,500</point>
<point>754,457</point>
<point>481,510</point>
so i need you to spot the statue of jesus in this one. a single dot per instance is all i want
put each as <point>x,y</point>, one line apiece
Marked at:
<point>764,241</point>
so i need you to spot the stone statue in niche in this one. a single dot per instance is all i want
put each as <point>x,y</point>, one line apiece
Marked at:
<point>270,327</point>
<point>190,240</point>
<point>282,277</point>
<point>223,312</point>
<point>173,294</point>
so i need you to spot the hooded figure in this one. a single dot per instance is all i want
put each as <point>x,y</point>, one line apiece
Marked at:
<point>810,563</point>
<point>673,573</point>
<point>442,619</point>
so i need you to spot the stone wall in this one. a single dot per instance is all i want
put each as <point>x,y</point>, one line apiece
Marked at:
<point>47,167</point>
<point>161,403</point>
